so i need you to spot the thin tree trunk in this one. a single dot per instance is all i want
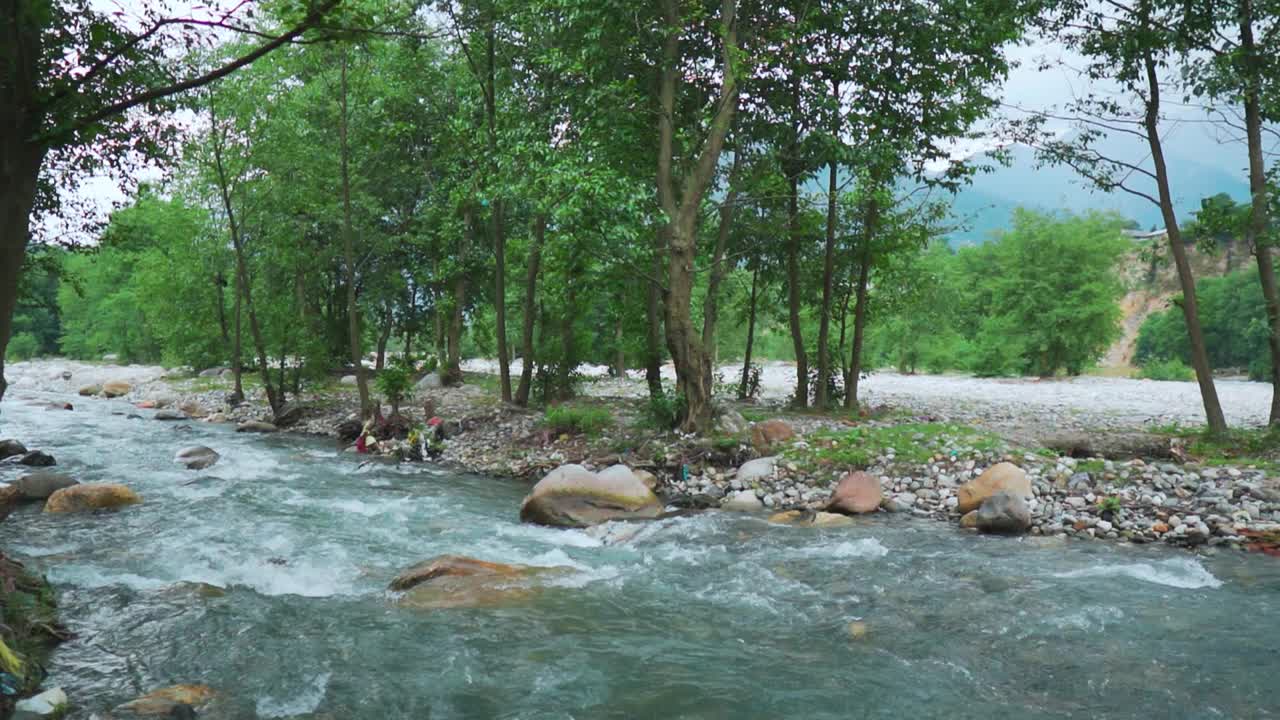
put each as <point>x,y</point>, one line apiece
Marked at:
<point>530,301</point>
<point>237,343</point>
<point>453,370</point>
<point>1199,357</point>
<point>219,283</point>
<point>1258,219</point>
<point>384,336</point>
<point>349,253</point>
<point>801,398</point>
<point>653,319</point>
<point>711,303</point>
<point>497,221</point>
<point>619,353</point>
<point>751,339</point>
<point>568,345</point>
<point>859,330</point>
<point>822,398</point>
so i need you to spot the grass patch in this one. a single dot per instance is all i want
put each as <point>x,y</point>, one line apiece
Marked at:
<point>913,443</point>
<point>1091,466</point>
<point>1170,370</point>
<point>578,419</point>
<point>1258,447</point>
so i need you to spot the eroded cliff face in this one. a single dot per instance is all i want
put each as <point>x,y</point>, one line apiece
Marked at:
<point>1152,281</point>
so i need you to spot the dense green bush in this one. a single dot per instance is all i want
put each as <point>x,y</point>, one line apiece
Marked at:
<point>22,346</point>
<point>394,383</point>
<point>578,419</point>
<point>1172,369</point>
<point>1233,316</point>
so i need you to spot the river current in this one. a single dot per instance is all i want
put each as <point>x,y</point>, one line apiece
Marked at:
<point>704,616</point>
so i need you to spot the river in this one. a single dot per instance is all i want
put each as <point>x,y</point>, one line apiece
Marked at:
<point>707,616</point>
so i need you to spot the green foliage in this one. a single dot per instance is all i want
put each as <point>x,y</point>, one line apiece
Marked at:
<point>1039,299</point>
<point>1171,369</point>
<point>1233,318</point>
<point>578,419</point>
<point>1111,504</point>
<point>22,346</point>
<point>664,411</point>
<point>394,383</point>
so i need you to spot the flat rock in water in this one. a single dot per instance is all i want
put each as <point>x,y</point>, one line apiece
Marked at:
<point>451,566</point>
<point>170,415</point>
<point>453,581</point>
<point>168,702</point>
<point>196,457</point>
<point>256,426</point>
<point>1003,513</point>
<point>94,496</point>
<point>572,496</point>
<point>90,390</point>
<point>45,705</point>
<point>803,518</point>
<point>34,458</point>
<point>116,388</point>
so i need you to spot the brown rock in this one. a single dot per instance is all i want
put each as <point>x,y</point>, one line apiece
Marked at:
<point>116,388</point>
<point>1159,528</point>
<point>857,493</point>
<point>807,518</point>
<point>90,390</point>
<point>452,581</point>
<point>165,701</point>
<point>969,520</point>
<point>768,434</point>
<point>1004,477</point>
<point>95,496</point>
<point>192,409</point>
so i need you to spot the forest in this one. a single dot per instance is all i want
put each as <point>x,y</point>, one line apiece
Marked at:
<point>569,182</point>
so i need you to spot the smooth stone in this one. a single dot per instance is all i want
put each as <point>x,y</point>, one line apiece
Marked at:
<point>1002,477</point>
<point>768,434</point>
<point>40,485</point>
<point>256,426</point>
<point>857,493</point>
<point>94,496</point>
<point>44,705</point>
<point>169,701</point>
<point>743,501</point>
<point>116,388</point>
<point>1004,513</point>
<point>196,457</point>
<point>10,448</point>
<point>757,470</point>
<point>572,496</point>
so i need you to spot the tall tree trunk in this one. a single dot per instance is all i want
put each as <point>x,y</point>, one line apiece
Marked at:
<point>237,342</point>
<point>19,173</point>
<point>384,336</point>
<point>719,268</point>
<point>1217,422</point>
<point>859,330</point>
<point>453,369</point>
<point>619,352</point>
<point>568,345</point>
<point>743,388</point>
<point>822,399</point>
<point>653,318</point>
<point>497,221</point>
<point>1258,220</point>
<point>685,345</point>
<point>801,398</point>
<point>219,285</point>
<point>349,252</point>
<point>530,310</point>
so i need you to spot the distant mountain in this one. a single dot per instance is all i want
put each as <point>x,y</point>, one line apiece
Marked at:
<point>986,206</point>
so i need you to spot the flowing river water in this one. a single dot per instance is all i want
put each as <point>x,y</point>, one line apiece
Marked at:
<point>704,616</point>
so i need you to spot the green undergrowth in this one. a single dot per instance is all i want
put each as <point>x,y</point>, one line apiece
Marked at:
<point>1091,466</point>
<point>586,420</point>
<point>912,443</point>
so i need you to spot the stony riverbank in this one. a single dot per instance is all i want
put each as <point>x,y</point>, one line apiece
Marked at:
<point>920,461</point>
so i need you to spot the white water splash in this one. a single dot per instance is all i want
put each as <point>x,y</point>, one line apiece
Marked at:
<point>864,548</point>
<point>304,702</point>
<point>1186,573</point>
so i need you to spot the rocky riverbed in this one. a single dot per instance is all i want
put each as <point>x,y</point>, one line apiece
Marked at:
<point>1171,498</point>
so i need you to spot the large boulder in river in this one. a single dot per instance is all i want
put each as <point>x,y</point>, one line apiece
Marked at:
<point>1004,513</point>
<point>170,415</point>
<point>196,457</point>
<point>1002,477</point>
<point>453,581</point>
<point>808,518</point>
<point>768,434</point>
<point>40,485</point>
<point>94,496</point>
<point>35,458</point>
<point>290,415</point>
<point>10,448</point>
<point>90,390</point>
<point>573,496</point>
<point>857,493</point>
<point>116,388</point>
<point>177,701</point>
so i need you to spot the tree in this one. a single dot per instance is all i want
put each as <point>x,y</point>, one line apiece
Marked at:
<point>56,115</point>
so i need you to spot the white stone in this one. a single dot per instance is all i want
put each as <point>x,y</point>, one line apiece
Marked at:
<point>743,501</point>
<point>756,470</point>
<point>40,706</point>
<point>1104,526</point>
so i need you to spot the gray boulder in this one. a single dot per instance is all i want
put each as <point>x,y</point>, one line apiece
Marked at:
<point>35,458</point>
<point>170,415</point>
<point>573,496</point>
<point>212,372</point>
<point>40,485</point>
<point>196,457</point>
<point>743,501</point>
<point>9,448</point>
<point>255,426</point>
<point>757,470</point>
<point>1004,513</point>
<point>430,381</point>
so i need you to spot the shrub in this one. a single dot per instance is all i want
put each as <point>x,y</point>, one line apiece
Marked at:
<point>23,346</point>
<point>581,420</point>
<point>394,383</point>
<point>1166,370</point>
<point>665,411</point>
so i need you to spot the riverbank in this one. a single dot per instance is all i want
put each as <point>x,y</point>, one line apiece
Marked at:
<point>1121,481</point>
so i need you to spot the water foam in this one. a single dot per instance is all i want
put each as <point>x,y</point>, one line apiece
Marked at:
<point>864,548</point>
<point>304,702</point>
<point>1185,573</point>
